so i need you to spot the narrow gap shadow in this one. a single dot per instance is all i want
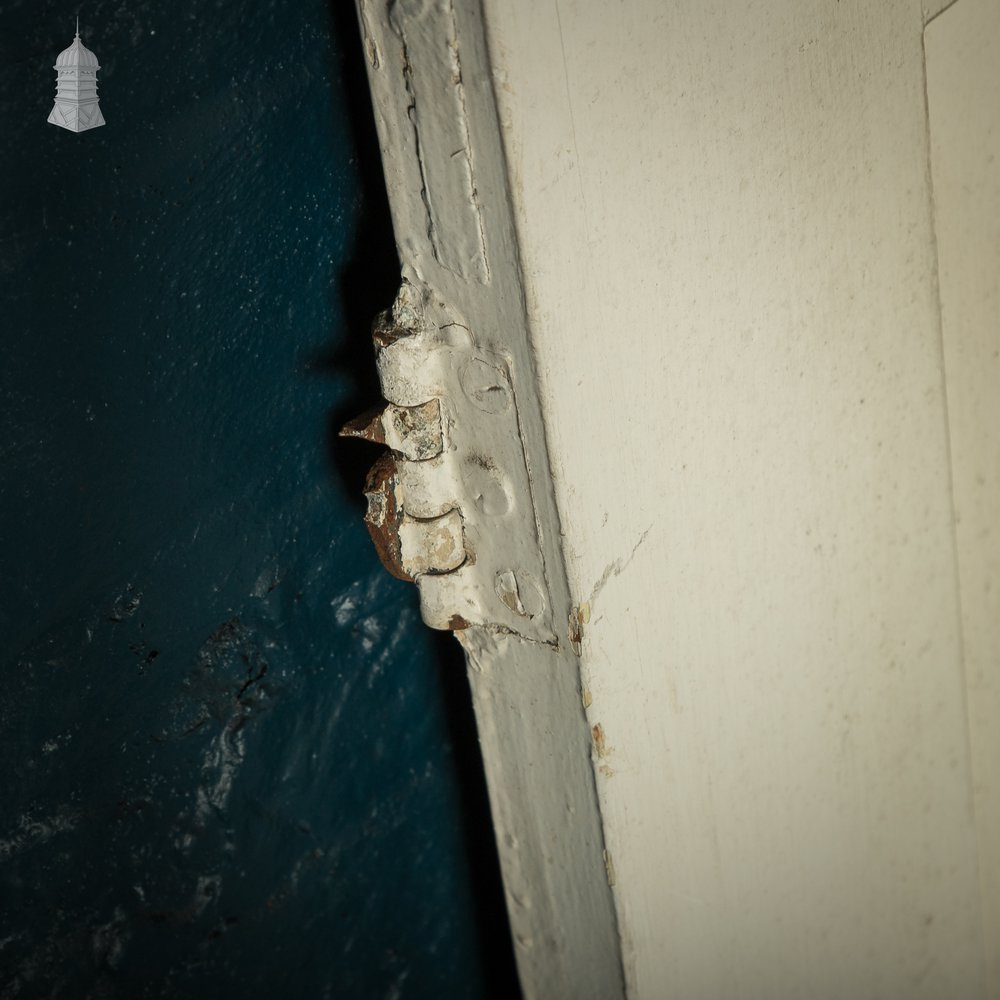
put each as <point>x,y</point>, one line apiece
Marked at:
<point>495,942</point>
<point>368,283</point>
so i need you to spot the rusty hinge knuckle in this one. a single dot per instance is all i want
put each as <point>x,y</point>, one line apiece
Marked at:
<point>450,505</point>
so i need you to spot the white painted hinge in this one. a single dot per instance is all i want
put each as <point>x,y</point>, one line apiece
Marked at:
<point>450,505</point>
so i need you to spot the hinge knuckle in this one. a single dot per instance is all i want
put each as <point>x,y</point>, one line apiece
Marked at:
<point>450,505</point>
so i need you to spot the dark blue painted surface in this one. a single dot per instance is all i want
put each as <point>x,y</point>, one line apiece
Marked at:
<point>229,761</point>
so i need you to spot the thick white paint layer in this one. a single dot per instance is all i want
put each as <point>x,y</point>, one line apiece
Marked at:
<point>452,214</point>
<point>963,88</point>
<point>725,225</point>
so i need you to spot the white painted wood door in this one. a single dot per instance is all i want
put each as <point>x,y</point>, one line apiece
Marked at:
<point>741,262</point>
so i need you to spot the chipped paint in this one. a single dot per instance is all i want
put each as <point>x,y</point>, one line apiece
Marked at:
<point>434,545</point>
<point>383,515</point>
<point>450,505</point>
<point>609,868</point>
<point>577,619</point>
<point>413,431</point>
<point>601,750</point>
<point>600,745</point>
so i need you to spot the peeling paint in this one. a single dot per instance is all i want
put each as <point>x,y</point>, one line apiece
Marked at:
<point>450,505</point>
<point>601,750</point>
<point>414,432</point>
<point>435,545</point>
<point>614,569</point>
<point>383,515</point>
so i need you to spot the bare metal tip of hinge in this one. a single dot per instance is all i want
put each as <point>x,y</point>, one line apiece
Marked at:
<point>414,432</point>
<point>386,331</point>
<point>367,426</point>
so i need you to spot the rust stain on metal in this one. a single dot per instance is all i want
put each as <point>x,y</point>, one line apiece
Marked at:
<point>438,503</point>
<point>383,515</point>
<point>386,330</point>
<point>367,426</point>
